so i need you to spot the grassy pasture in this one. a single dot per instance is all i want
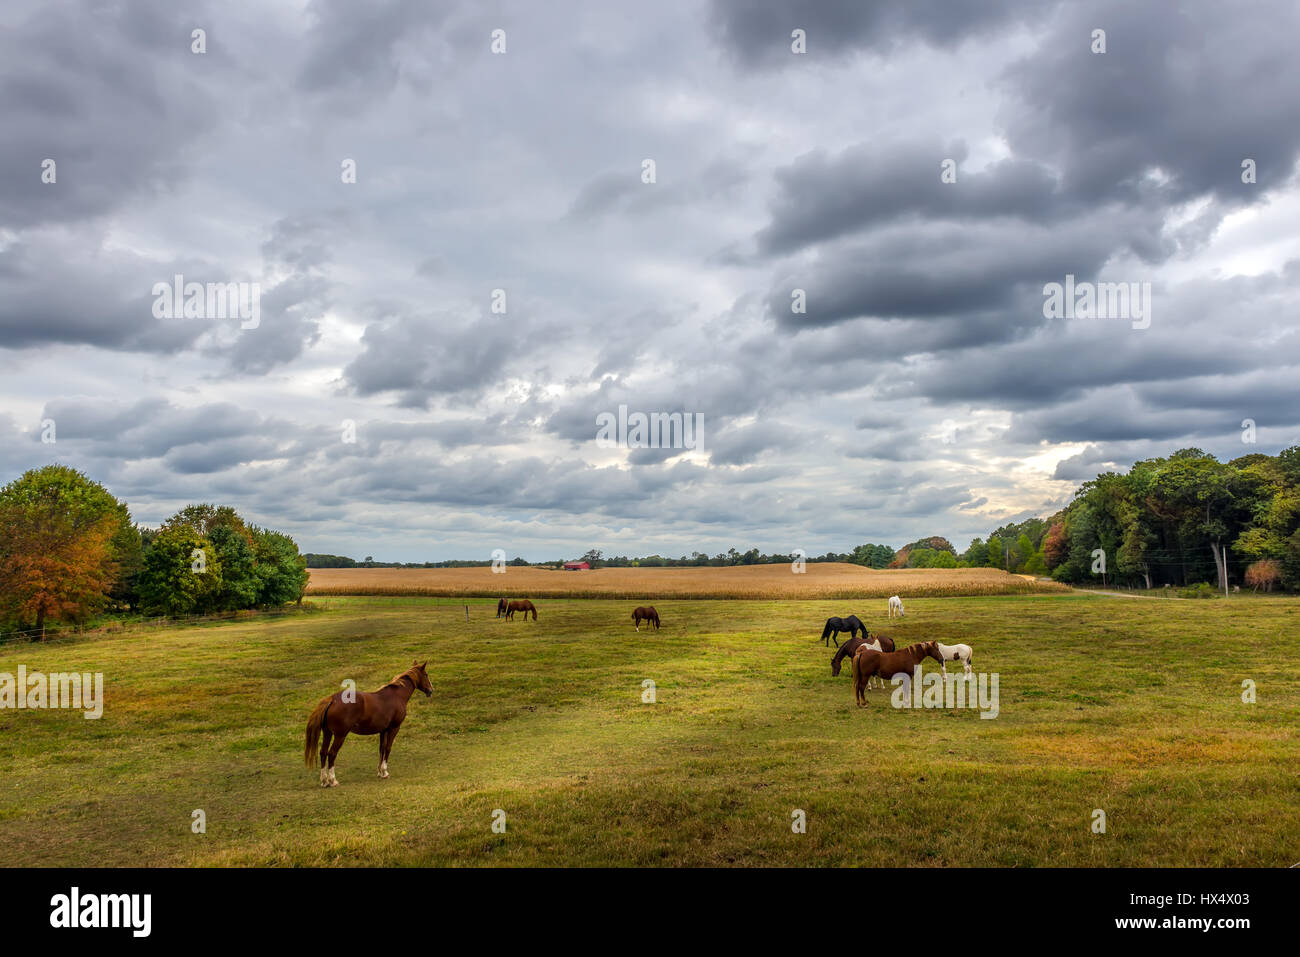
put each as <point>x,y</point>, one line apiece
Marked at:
<point>760,582</point>
<point>1130,706</point>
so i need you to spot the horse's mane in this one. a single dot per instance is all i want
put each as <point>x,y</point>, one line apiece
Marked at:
<point>397,680</point>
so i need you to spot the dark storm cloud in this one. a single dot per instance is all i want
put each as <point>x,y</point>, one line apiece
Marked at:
<point>105,91</point>
<point>743,445</point>
<point>821,197</point>
<point>757,32</point>
<point>419,358</point>
<point>68,289</point>
<point>1058,365</point>
<point>942,271</point>
<point>201,438</point>
<point>1189,90</point>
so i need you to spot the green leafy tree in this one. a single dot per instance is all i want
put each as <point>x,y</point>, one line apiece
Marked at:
<point>181,574</point>
<point>281,572</point>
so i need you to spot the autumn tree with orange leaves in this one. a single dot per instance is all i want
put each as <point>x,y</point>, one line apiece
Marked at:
<point>65,545</point>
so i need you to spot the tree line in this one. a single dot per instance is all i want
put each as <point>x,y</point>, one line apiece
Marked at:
<point>69,551</point>
<point>1184,519</point>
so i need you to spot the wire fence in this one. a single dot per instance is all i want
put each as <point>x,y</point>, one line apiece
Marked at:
<point>67,632</point>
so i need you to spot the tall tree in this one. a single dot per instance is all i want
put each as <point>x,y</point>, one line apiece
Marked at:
<point>63,542</point>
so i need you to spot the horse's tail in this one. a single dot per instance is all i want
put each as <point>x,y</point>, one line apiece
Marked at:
<point>314,724</point>
<point>826,632</point>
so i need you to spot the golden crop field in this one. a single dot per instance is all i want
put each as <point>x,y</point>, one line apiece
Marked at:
<point>820,580</point>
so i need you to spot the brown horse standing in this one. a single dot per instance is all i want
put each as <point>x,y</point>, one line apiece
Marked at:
<point>886,664</point>
<point>647,614</point>
<point>520,604</point>
<point>849,647</point>
<point>370,712</point>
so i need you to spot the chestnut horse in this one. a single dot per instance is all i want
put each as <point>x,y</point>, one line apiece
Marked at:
<point>886,664</point>
<point>878,643</point>
<point>370,712</point>
<point>647,614</point>
<point>834,626</point>
<point>846,650</point>
<point>520,604</point>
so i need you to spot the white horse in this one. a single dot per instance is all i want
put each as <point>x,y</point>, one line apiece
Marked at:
<point>960,653</point>
<point>895,604</point>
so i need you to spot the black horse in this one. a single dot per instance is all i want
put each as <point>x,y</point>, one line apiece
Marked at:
<point>834,626</point>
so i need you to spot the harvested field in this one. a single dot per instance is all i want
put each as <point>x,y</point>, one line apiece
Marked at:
<point>823,580</point>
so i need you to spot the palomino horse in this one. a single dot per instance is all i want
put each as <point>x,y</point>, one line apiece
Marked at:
<point>960,653</point>
<point>520,604</point>
<point>834,626</point>
<point>501,606</point>
<point>846,650</point>
<point>895,605</point>
<point>647,614</point>
<point>886,664</point>
<point>370,712</point>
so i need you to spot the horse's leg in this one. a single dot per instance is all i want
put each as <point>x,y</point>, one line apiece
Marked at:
<point>325,738</point>
<point>334,753</point>
<point>385,743</point>
<point>388,747</point>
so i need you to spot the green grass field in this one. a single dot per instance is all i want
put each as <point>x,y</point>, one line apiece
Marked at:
<point>1129,706</point>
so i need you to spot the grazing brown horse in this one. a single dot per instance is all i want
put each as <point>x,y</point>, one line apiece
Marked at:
<point>501,607</point>
<point>520,604</point>
<point>886,664</point>
<point>370,712</point>
<point>847,649</point>
<point>647,614</point>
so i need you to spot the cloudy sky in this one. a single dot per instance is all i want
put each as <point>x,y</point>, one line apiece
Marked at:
<point>922,391</point>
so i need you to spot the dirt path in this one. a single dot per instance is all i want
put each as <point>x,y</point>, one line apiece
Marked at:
<point>1124,594</point>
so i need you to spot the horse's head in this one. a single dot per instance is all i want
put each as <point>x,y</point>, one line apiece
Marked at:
<point>421,677</point>
<point>930,649</point>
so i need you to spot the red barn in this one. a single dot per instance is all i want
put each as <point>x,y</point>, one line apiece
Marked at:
<point>576,566</point>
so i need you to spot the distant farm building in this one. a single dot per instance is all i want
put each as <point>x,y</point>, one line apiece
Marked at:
<point>576,566</point>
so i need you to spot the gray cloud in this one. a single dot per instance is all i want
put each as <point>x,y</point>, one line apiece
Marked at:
<point>923,392</point>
